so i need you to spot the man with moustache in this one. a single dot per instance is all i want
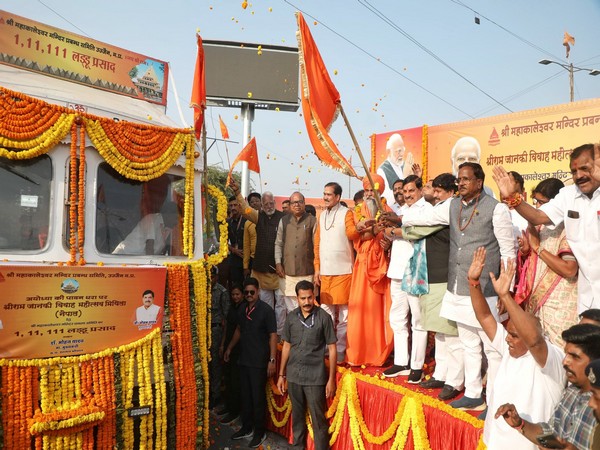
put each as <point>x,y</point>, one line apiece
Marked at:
<point>256,334</point>
<point>263,268</point>
<point>235,229</point>
<point>573,420</point>
<point>294,249</point>
<point>476,220</point>
<point>308,330</point>
<point>578,207</point>
<point>433,225</point>
<point>406,304</point>
<point>334,258</point>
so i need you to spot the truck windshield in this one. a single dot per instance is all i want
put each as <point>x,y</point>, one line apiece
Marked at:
<point>135,218</point>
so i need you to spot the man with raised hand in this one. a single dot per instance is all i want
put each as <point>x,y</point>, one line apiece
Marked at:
<point>577,206</point>
<point>530,374</point>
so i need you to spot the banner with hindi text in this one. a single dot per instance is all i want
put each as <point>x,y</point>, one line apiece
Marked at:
<point>48,311</point>
<point>535,143</point>
<point>51,51</point>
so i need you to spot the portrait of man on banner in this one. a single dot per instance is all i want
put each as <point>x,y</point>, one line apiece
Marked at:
<point>147,315</point>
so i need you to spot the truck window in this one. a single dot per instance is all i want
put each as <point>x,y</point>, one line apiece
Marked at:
<point>25,203</point>
<point>138,218</point>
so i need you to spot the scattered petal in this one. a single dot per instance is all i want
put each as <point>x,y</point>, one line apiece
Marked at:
<point>244,4</point>
<point>270,9</point>
<point>335,72</point>
<point>277,109</point>
<point>315,22</point>
<point>235,117</point>
<point>249,94</point>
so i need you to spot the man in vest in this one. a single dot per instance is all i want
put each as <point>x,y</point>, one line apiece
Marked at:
<point>476,220</point>
<point>263,268</point>
<point>334,257</point>
<point>294,249</point>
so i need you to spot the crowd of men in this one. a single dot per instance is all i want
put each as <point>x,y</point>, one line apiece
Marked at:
<point>410,258</point>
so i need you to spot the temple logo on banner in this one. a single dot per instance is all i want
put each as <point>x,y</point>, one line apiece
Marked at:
<point>494,138</point>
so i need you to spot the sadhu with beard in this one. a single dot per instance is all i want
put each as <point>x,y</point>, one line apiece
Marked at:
<point>370,338</point>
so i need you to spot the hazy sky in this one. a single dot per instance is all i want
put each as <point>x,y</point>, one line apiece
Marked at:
<point>399,64</point>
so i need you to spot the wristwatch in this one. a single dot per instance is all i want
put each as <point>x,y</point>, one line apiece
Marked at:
<point>272,360</point>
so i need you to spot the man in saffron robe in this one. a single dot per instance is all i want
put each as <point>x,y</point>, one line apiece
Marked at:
<point>370,338</point>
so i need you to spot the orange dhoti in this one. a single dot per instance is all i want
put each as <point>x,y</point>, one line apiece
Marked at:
<point>370,337</point>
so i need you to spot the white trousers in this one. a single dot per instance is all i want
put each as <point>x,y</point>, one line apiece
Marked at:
<point>472,338</point>
<point>275,299</point>
<point>402,304</point>
<point>341,328</point>
<point>290,302</point>
<point>452,374</point>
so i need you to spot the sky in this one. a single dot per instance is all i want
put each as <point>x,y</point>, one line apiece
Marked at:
<point>397,64</point>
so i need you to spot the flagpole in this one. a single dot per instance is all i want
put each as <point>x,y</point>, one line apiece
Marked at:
<point>248,117</point>
<point>362,159</point>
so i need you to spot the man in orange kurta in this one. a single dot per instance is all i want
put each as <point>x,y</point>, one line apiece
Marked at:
<point>370,337</point>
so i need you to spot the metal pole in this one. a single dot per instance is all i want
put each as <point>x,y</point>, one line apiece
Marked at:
<point>362,159</point>
<point>247,117</point>
<point>571,83</point>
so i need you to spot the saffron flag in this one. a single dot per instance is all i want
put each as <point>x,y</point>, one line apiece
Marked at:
<point>320,101</point>
<point>198,101</point>
<point>249,154</point>
<point>224,130</point>
<point>568,40</point>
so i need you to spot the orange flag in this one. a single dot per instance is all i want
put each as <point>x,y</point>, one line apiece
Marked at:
<point>198,101</point>
<point>320,100</point>
<point>248,154</point>
<point>568,40</point>
<point>224,130</point>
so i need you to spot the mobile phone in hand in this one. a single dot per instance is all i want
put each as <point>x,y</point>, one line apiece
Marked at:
<point>549,441</point>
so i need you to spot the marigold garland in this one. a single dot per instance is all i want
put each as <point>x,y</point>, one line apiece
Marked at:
<point>215,192</point>
<point>409,416</point>
<point>183,358</point>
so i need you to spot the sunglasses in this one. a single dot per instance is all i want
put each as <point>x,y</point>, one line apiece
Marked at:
<point>249,292</point>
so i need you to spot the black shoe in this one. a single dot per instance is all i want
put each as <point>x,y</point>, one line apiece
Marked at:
<point>241,434</point>
<point>415,376</point>
<point>394,371</point>
<point>257,440</point>
<point>448,393</point>
<point>228,418</point>
<point>432,383</point>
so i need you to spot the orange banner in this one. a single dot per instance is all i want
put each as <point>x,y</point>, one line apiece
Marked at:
<point>48,311</point>
<point>535,143</point>
<point>58,53</point>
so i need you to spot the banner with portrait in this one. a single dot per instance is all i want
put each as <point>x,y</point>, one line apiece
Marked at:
<point>48,311</point>
<point>535,143</point>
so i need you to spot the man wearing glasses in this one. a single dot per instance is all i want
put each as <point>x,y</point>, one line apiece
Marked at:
<point>256,332</point>
<point>294,249</point>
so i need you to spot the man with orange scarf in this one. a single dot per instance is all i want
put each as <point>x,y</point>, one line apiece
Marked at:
<point>370,338</point>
